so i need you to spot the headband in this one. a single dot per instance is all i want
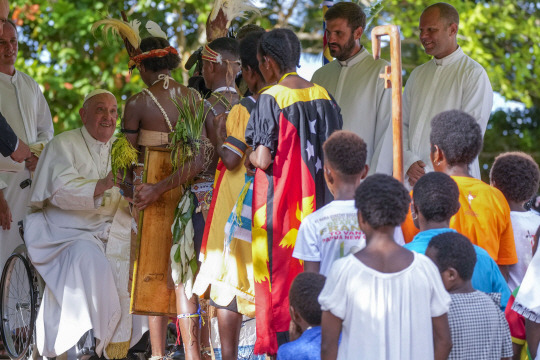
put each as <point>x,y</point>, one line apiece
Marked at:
<point>211,55</point>
<point>156,53</point>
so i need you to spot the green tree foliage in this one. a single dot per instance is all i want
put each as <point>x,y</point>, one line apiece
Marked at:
<point>59,51</point>
<point>511,131</point>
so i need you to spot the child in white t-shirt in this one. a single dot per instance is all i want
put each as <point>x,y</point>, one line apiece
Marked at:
<point>332,232</point>
<point>386,301</point>
<point>517,176</point>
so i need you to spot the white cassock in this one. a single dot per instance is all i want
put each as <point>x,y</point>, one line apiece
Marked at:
<point>366,106</point>
<point>455,82</point>
<point>81,246</point>
<point>23,105</point>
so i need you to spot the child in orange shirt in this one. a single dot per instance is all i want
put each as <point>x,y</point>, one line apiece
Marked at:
<point>484,216</point>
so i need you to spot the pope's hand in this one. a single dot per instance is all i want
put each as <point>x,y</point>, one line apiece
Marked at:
<point>5,213</point>
<point>145,195</point>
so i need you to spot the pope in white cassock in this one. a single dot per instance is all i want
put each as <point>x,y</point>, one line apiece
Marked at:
<point>450,81</point>
<point>78,238</point>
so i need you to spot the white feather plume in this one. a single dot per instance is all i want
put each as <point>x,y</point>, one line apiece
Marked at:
<point>155,30</point>
<point>232,9</point>
<point>135,24</point>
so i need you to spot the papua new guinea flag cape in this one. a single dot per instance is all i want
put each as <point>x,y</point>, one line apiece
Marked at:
<point>293,124</point>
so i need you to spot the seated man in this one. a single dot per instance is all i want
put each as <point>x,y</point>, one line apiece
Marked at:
<point>78,237</point>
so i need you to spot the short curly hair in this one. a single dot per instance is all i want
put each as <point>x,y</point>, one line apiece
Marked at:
<point>304,294</point>
<point>436,195</point>
<point>346,151</point>
<point>458,135</point>
<point>516,174</point>
<point>453,250</point>
<point>168,62</point>
<point>382,201</point>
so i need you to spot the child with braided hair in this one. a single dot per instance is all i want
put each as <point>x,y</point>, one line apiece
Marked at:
<point>286,130</point>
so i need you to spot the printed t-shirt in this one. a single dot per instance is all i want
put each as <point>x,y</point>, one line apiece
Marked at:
<point>329,234</point>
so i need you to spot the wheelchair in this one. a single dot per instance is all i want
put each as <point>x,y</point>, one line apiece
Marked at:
<point>21,291</point>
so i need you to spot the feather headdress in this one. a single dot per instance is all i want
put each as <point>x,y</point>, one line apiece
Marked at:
<point>223,12</point>
<point>128,31</point>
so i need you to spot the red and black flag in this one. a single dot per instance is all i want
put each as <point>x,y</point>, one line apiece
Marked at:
<point>293,124</point>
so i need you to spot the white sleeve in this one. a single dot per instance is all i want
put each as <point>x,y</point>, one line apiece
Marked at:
<point>307,245</point>
<point>333,296</point>
<point>440,299</point>
<point>45,129</point>
<point>408,156</point>
<point>478,97</point>
<point>382,159</point>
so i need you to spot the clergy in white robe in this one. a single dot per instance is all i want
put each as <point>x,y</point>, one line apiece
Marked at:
<point>78,238</point>
<point>353,80</point>
<point>23,105</point>
<point>450,81</point>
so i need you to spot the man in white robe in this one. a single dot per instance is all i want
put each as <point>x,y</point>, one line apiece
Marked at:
<point>23,105</point>
<point>451,80</point>
<point>353,79</point>
<point>78,238</point>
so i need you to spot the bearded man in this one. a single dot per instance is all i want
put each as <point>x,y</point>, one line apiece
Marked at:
<point>353,79</point>
<point>78,238</point>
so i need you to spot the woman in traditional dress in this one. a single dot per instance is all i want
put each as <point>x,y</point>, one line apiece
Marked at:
<point>286,130</point>
<point>150,116</point>
<point>227,264</point>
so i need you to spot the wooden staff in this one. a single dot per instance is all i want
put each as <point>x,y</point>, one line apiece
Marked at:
<point>392,77</point>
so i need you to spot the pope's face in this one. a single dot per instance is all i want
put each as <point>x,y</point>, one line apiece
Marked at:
<point>99,116</point>
<point>341,38</point>
<point>437,36</point>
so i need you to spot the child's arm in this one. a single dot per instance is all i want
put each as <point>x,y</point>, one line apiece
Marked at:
<point>532,329</point>
<point>442,341</point>
<point>330,331</point>
<point>312,266</point>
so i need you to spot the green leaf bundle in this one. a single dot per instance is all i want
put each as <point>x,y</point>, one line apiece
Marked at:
<point>123,155</point>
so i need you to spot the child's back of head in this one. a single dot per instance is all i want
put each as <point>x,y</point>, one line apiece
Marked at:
<point>516,175</point>
<point>382,201</point>
<point>345,155</point>
<point>303,295</point>
<point>455,257</point>
<point>436,197</point>
<point>346,152</point>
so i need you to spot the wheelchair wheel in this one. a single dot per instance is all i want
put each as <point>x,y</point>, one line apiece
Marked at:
<point>17,306</point>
